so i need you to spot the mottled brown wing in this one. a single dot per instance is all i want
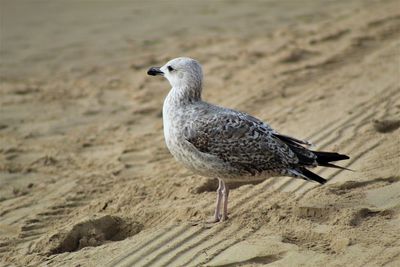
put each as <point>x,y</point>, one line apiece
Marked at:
<point>241,140</point>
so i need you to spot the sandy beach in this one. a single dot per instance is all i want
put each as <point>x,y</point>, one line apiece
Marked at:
<point>85,176</point>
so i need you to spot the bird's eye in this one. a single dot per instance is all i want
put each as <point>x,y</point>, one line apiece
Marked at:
<point>170,68</point>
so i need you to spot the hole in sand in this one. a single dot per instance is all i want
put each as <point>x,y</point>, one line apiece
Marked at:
<point>93,232</point>
<point>364,214</point>
<point>386,126</point>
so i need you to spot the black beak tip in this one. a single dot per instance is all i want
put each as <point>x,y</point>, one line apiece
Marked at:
<point>154,71</point>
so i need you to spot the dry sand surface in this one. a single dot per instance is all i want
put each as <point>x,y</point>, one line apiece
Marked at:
<point>85,177</point>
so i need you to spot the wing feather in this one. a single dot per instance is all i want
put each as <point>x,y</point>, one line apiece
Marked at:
<point>240,139</point>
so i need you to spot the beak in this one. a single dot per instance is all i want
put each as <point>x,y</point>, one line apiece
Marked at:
<point>155,71</point>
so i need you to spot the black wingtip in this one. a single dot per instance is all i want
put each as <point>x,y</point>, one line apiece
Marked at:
<point>312,176</point>
<point>330,165</point>
<point>326,157</point>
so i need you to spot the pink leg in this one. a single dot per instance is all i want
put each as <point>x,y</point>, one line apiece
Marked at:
<point>225,193</point>
<point>217,213</point>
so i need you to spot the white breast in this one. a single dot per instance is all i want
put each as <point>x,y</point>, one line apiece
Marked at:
<point>168,114</point>
<point>182,150</point>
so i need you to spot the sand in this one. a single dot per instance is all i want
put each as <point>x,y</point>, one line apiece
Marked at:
<point>85,177</point>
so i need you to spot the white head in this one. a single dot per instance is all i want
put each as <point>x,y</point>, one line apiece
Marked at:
<point>182,72</point>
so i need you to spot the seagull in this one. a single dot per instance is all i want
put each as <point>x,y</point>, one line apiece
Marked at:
<point>226,144</point>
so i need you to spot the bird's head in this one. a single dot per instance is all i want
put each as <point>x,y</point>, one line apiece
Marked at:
<point>182,72</point>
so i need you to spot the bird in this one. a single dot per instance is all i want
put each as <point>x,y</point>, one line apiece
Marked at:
<point>226,144</point>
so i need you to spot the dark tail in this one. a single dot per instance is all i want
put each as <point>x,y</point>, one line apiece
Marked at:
<point>323,159</point>
<point>307,158</point>
<point>312,176</point>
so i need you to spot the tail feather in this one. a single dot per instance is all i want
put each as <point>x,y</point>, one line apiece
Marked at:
<point>323,159</point>
<point>327,157</point>
<point>335,166</point>
<point>310,158</point>
<point>308,175</point>
<point>312,176</point>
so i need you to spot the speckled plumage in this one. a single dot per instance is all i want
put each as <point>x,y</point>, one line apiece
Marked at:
<point>224,143</point>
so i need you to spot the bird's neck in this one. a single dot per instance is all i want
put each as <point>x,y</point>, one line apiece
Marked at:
<point>184,95</point>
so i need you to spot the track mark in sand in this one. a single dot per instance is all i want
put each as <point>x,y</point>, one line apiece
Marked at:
<point>380,22</point>
<point>184,238</point>
<point>131,157</point>
<point>393,259</point>
<point>160,241</point>
<point>221,246</point>
<point>178,244</point>
<point>296,55</point>
<point>263,260</point>
<point>31,226</point>
<point>363,185</point>
<point>202,243</point>
<point>333,36</point>
<point>355,214</point>
<point>36,226</point>
<point>4,246</point>
<point>364,107</point>
<point>138,247</point>
<point>358,45</point>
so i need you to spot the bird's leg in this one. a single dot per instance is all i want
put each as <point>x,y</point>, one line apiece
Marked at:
<point>217,213</point>
<point>225,193</point>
